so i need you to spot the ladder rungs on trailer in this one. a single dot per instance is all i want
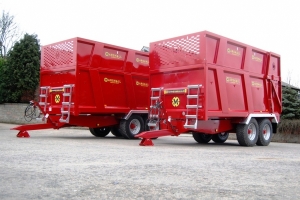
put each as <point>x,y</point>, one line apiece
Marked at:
<point>44,91</point>
<point>155,101</point>
<point>194,86</point>
<point>152,124</point>
<point>155,89</point>
<point>190,126</point>
<point>193,106</point>
<point>154,98</point>
<point>66,103</point>
<point>63,121</point>
<point>68,86</point>
<point>191,116</point>
<point>192,96</point>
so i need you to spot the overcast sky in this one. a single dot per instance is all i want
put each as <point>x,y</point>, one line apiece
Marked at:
<point>271,25</point>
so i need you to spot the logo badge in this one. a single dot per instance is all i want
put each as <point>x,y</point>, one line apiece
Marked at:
<point>175,101</point>
<point>57,98</point>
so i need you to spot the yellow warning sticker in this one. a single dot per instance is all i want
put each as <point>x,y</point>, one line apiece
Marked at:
<point>57,98</point>
<point>175,101</point>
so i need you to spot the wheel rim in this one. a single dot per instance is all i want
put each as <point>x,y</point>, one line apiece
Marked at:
<point>251,131</point>
<point>135,126</point>
<point>223,135</point>
<point>102,130</point>
<point>266,132</point>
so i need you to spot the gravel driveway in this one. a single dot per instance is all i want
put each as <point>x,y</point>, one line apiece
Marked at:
<point>73,164</point>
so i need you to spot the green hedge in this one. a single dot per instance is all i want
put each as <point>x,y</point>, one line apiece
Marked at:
<point>289,127</point>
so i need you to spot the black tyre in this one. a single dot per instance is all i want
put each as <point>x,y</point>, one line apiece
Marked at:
<point>220,137</point>
<point>202,137</point>
<point>247,134</point>
<point>265,132</point>
<point>100,132</point>
<point>131,127</point>
<point>116,131</point>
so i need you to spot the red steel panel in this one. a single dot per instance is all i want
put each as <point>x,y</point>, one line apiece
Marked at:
<point>107,78</point>
<point>237,79</point>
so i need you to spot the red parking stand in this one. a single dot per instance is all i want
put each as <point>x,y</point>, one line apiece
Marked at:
<point>24,134</point>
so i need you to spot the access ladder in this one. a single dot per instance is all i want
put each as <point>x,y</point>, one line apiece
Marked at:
<point>192,106</point>
<point>44,91</point>
<point>66,104</point>
<point>155,107</point>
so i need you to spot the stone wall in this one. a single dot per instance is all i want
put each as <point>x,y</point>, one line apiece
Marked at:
<point>13,113</point>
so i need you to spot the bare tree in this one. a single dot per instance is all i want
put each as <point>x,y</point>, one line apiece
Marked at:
<point>9,33</point>
<point>289,77</point>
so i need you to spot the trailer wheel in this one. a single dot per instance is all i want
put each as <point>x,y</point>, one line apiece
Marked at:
<point>265,132</point>
<point>131,127</point>
<point>100,132</point>
<point>247,134</point>
<point>202,137</point>
<point>116,131</point>
<point>220,137</point>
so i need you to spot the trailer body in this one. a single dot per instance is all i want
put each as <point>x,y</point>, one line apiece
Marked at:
<point>210,85</point>
<point>92,84</point>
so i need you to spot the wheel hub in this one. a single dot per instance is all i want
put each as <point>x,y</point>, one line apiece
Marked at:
<point>251,131</point>
<point>266,132</point>
<point>134,126</point>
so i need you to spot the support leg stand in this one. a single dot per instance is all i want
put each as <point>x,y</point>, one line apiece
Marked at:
<point>146,142</point>
<point>24,134</point>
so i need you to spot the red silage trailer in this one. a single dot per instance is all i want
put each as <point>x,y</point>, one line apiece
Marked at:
<point>211,86</point>
<point>93,84</point>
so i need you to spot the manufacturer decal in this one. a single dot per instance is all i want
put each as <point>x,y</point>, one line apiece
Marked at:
<point>142,61</point>
<point>57,98</point>
<point>233,52</point>
<point>257,59</point>
<point>112,81</point>
<point>57,90</point>
<point>175,101</point>
<point>111,55</point>
<point>142,84</point>
<point>179,91</point>
<point>233,80</point>
<point>256,84</point>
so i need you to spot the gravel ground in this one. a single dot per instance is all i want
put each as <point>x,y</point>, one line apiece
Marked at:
<point>73,164</point>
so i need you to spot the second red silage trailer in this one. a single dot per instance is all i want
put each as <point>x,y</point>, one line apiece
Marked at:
<point>92,84</point>
<point>210,86</point>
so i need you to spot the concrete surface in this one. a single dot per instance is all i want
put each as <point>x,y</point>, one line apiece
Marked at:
<point>14,113</point>
<point>73,164</point>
